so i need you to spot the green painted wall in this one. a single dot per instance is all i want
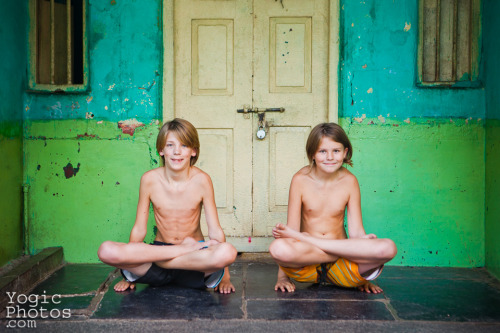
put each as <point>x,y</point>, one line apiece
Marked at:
<point>492,82</point>
<point>419,153</point>
<point>12,68</point>
<point>422,185</point>
<point>84,187</point>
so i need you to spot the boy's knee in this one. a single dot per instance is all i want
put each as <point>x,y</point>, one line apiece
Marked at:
<point>389,249</point>
<point>225,255</point>
<point>108,253</point>
<point>279,250</point>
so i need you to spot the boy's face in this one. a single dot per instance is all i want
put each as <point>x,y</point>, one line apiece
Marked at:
<point>177,155</point>
<point>330,155</point>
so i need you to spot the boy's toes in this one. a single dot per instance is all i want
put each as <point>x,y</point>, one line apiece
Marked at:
<point>123,285</point>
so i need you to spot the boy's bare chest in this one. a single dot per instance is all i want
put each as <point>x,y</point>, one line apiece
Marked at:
<point>330,201</point>
<point>173,199</point>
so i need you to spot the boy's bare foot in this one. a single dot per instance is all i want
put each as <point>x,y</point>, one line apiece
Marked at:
<point>283,231</point>
<point>369,236</point>
<point>193,245</point>
<point>370,288</point>
<point>285,284</point>
<point>124,285</point>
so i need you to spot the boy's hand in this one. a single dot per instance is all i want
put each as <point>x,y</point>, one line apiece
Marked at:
<point>284,284</point>
<point>369,288</point>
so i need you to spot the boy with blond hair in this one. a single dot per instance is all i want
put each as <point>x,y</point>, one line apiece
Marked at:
<point>178,190</point>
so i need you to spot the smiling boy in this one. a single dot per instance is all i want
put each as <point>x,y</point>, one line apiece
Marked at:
<point>178,190</point>
<point>313,246</point>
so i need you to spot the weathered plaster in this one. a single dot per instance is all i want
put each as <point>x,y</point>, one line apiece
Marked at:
<point>378,64</point>
<point>84,190</point>
<point>422,185</point>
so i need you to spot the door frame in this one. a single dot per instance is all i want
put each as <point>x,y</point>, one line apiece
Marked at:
<point>168,93</point>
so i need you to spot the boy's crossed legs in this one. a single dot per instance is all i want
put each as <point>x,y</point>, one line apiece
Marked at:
<point>293,249</point>
<point>138,258</point>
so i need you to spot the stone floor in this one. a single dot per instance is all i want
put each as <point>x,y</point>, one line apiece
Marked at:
<point>414,300</point>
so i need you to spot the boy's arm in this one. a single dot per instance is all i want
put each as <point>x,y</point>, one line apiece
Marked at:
<point>139,229</point>
<point>211,216</point>
<point>294,204</point>
<point>215,230</point>
<point>354,218</point>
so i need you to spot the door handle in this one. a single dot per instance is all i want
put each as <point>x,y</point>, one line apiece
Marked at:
<point>259,110</point>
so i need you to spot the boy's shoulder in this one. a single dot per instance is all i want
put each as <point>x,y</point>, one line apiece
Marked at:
<point>302,175</point>
<point>304,172</point>
<point>348,175</point>
<point>152,174</point>
<point>197,174</point>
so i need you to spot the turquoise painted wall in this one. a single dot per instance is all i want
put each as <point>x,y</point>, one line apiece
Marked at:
<point>418,152</point>
<point>492,83</point>
<point>12,69</point>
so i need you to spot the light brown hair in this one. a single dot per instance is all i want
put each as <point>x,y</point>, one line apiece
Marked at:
<point>332,131</point>
<point>185,132</point>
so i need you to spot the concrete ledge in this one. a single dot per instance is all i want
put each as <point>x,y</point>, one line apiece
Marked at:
<point>28,274</point>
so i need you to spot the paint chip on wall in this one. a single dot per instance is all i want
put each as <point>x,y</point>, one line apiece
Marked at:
<point>381,118</point>
<point>370,91</point>
<point>70,171</point>
<point>407,26</point>
<point>128,126</point>
<point>360,119</point>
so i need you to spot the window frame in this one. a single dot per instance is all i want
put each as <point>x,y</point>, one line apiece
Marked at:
<point>475,51</point>
<point>33,86</point>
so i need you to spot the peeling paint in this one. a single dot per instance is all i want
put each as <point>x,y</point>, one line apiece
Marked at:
<point>69,171</point>
<point>382,119</point>
<point>89,115</point>
<point>407,26</point>
<point>360,119</point>
<point>85,135</point>
<point>128,126</point>
<point>407,120</point>
<point>370,91</point>
<point>149,87</point>
<point>89,99</point>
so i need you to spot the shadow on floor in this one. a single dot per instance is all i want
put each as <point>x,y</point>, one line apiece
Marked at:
<point>414,299</point>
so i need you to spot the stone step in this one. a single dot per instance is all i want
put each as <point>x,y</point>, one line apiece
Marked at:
<point>23,277</point>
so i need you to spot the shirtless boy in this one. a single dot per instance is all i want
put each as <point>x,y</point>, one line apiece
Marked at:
<point>178,190</point>
<point>313,246</point>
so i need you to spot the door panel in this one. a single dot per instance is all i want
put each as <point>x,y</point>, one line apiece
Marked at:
<point>286,41</point>
<point>259,54</point>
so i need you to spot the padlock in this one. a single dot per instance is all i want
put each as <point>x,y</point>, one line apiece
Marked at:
<point>261,133</point>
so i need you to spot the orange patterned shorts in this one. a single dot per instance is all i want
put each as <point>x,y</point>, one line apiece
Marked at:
<point>342,273</point>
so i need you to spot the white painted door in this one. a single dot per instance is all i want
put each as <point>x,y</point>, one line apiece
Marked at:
<point>235,54</point>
